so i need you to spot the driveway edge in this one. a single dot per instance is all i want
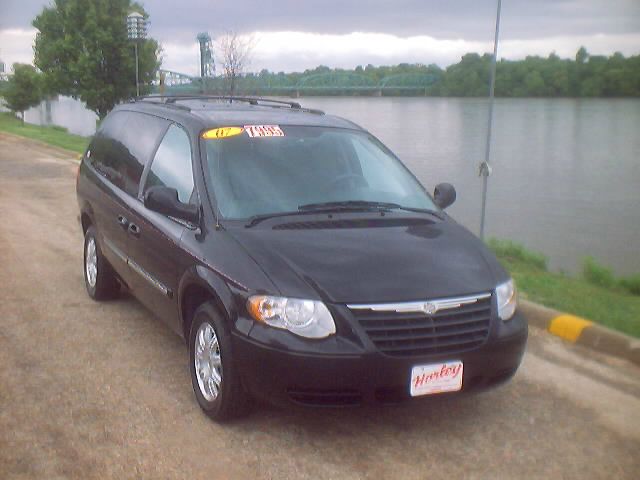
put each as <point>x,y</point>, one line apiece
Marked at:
<point>581,331</point>
<point>63,153</point>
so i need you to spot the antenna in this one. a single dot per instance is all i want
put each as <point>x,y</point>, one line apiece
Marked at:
<point>485,168</point>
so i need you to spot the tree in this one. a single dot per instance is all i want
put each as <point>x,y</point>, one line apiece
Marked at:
<point>24,89</point>
<point>534,84</point>
<point>469,77</point>
<point>82,48</point>
<point>582,55</point>
<point>234,51</point>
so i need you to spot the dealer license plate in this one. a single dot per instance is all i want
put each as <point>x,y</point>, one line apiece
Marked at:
<point>436,378</point>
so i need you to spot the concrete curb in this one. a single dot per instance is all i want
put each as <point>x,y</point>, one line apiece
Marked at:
<point>583,332</point>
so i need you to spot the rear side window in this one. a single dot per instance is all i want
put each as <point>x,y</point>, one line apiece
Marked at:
<point>123,145</point>
<point>102,156</point>
<point>171,166</point>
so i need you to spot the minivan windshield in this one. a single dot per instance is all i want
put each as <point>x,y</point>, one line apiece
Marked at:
<point>262,170</point>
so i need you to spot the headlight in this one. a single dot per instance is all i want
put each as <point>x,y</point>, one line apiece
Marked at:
<point>306,318</point>
<point>507,299</point>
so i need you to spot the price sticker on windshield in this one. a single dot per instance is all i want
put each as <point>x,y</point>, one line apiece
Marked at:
<point>264,131</point>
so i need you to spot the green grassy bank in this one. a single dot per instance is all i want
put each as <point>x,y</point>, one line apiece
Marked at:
<point>595,294</point>
<point>56,136</point>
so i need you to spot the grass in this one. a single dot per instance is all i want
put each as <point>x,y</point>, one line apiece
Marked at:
<point>596,295</point>
<point>56,136</point>
<point>508,250</point>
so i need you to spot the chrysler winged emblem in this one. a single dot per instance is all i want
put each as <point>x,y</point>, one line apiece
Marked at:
<point>430,308</point>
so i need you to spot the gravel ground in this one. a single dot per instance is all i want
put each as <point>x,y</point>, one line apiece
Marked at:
<point>92,390</point>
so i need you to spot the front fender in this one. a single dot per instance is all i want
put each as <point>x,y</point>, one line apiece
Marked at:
<point>201,278</point>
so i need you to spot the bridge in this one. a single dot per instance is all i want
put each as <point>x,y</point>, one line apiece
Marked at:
<point>329,83</point>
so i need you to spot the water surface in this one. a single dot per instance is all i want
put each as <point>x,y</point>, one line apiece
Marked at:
<point>566,173</point>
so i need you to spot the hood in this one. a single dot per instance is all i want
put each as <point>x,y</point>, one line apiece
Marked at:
<point>371,260</point>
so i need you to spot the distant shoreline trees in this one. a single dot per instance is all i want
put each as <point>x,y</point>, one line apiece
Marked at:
<point>585,76</point>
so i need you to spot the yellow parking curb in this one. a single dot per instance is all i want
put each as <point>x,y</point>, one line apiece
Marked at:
<point>568,327</point>
<point>581,331</point>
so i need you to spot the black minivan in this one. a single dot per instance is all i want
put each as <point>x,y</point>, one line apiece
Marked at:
<point>297,256</point>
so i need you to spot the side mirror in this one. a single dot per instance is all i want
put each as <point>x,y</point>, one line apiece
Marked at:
<point>444,195</point>
<point>165,200</point>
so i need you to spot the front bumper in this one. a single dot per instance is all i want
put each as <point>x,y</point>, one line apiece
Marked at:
<point>341,371</point>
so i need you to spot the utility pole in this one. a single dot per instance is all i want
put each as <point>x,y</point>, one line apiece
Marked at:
<point>135,46</point>
<point>485,167</point>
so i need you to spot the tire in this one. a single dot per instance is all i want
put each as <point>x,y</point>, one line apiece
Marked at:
<point>102,283</point>
<point>210,335</point>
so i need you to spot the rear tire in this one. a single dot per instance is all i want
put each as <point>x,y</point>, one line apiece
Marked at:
<point>214,376</point>
<point>99,278</point>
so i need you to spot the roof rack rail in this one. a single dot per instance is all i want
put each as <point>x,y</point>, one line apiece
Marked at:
<point>150,99</point>
<point>266,102</point>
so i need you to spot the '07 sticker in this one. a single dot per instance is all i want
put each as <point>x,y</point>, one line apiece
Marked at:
<point>264,131</point>
<point>222,132</point>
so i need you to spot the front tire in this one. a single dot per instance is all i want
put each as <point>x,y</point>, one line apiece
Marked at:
<point>99,279</point>
<point>214,376</point>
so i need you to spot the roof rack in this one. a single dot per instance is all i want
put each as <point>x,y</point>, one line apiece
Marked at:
<point>266,102</point>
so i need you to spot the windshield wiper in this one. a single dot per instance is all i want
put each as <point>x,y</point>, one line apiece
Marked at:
<point>264,216</point>
<point>362,204</point>
<point>329,207</point>
<point>347,204</point>
<point>326,207</point>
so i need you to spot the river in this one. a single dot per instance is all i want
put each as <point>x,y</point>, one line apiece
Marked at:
<point>566,172</point>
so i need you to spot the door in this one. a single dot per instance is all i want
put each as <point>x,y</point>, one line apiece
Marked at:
<point>108,199</point>
<point>154,244</point>
<point>121,149</point>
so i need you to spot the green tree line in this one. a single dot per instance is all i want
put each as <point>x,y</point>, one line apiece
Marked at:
<point>584,76</point>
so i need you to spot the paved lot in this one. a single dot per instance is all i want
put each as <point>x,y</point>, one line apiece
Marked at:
<point>92,390</point>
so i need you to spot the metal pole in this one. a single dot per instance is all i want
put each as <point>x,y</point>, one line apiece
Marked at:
<point>135,44</point>
<point>485,168</point>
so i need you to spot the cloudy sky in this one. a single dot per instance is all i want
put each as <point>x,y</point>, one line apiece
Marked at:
<point>292,35</point>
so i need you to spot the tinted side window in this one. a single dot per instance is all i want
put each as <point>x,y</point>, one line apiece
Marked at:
<point>102,157</point>
<point>122,146</point>
<point>139,138</point>
<point>171,166</point>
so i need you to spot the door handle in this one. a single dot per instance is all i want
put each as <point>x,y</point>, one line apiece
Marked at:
<point>134,230</point>
<point>122,221</point>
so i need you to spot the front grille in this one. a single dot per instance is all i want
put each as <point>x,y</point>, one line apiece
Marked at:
<point>408,334</point>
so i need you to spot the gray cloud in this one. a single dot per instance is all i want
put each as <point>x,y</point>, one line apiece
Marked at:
<point>468,19</point>
<point>528,27</point>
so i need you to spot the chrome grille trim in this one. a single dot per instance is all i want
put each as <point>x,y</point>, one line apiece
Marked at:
<point>419,306</point>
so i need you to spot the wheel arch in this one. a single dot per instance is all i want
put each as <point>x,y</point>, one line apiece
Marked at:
<point>86,217</point>
<point>198,285</point>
